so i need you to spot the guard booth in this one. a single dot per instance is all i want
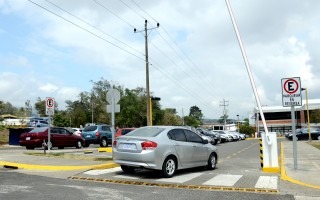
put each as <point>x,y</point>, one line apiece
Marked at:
<point>14,134</point>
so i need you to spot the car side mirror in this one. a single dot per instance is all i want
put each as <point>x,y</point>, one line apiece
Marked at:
<point>205,141</point>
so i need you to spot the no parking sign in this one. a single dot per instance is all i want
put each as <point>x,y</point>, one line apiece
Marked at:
<point>291,92</point>
<point>49,106</point>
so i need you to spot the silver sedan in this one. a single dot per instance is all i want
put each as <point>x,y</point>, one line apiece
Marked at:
<point>165,148</point>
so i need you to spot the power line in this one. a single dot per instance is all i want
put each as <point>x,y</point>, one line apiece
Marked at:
<point>84,29</point>
<point>112,13</point>
<point>133,10</point>
<point>94,27</point>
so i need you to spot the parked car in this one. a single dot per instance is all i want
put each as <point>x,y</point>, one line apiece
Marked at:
<point>97,134</point>
<point>38,123</point>
<point>303,134</point>
<point>213,137</point>
<point>59,137</point>
<point>123,131</point>
<point>165,148</point>
<point>77,131</point>
<point>225,137</point>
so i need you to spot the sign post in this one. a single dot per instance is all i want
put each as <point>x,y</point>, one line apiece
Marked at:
<point>49,112</point>
<point>113,97</point>
<point>291,96</point>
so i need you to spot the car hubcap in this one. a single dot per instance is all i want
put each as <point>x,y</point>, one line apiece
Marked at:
<point>79,144</point>
<point>104,143</point>
<point>170,167</point>
<point>213,161</point>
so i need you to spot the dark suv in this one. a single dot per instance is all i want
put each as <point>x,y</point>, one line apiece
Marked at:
<point>97,134</point>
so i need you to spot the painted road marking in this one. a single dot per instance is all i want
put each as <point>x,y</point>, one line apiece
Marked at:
<point>126,177</point>
<point>223,180</point>
<point>102,171</point>
<point>267,182</point>
<point>180,178</point>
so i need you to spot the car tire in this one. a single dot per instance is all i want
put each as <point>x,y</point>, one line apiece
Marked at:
<point>169,167</point>
<point>103,142</point>
<point>30,147</point>
<point>127,169</point>
<point>78,144</point>
<point>212,161</point>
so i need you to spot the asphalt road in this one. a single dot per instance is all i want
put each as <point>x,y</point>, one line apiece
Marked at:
<point>15,185</point>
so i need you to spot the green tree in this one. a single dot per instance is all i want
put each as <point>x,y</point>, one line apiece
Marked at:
<point>60,118</point>
<point>314,116</point>
<point>170,117</point>
<point>196,113</point>
<point>191,121</point>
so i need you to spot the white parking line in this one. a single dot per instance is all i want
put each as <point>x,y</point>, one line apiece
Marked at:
<point>267,182</point>
<point>126,177</point>
<point>223,180</point>
<point>180,178</point>
<point>103,171</point>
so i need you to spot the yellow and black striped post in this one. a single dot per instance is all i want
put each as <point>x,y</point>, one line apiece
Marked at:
<point>261,154</point>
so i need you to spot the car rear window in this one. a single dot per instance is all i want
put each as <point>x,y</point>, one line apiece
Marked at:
<point>126,131</point>
<point>146,132</point>
<point>90,128</point>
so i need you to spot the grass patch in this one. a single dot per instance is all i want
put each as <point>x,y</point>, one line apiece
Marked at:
<point>68,156</point>
<point>316,144</point>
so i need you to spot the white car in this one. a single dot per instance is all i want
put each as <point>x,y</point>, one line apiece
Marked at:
<point>77,131</point>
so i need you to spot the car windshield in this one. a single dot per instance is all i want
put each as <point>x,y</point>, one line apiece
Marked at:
<point>90,128</point>
<point>40,129</point>
<point>146,131</point>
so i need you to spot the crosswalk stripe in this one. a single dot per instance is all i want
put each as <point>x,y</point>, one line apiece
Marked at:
<point>180,178</point>
<point>102,171</point>
<point>267,182</point>
<point>223,180</point>
<point>126,176</point>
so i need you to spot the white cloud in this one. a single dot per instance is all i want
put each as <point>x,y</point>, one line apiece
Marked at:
<point>61,58</point>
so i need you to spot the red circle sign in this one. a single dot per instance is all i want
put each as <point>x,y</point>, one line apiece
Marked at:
<point>50,102</point>
<point>291,88</point>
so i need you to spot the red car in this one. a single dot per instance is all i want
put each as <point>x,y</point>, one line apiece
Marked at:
<point>123,131</point>
<point>59,137</point>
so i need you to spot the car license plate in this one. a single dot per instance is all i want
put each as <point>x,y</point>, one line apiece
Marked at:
<point>27,138</point>
<point>88,136</point>
<point>128,146</point>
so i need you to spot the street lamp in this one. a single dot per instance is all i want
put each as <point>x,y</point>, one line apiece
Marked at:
<point>152,99</point>
<point>238,124</point>
<point>307,112</point>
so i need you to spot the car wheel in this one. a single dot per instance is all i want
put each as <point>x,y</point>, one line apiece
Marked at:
<point>212,161</point>
<point>103,142</point>
<point>30,147</point>
<point>127,169</point>
<point>169,167</point>
<point>78,144</point>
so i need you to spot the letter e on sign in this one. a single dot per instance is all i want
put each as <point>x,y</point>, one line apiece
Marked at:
<point>291,91</point>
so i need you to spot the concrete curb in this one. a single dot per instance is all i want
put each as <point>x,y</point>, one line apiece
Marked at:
<point>56,168</point>
<point>283,174</point>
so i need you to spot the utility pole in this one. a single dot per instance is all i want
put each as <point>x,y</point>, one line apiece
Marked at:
<point>147,68</point>
<point>224,103</point>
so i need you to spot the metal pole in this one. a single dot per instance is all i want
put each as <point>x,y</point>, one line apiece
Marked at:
<point>49,142</point>
<point>150,111</point>
<point>249,72</point>
<point>294,138</point>
<point>112,122</point>
<point>308,115</point>
<point>147,73</point>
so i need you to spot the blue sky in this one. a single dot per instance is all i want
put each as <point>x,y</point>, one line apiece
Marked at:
<point>194,55</point>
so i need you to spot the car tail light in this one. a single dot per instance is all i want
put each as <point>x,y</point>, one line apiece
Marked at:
<point>114,143</point>
<point>97,134</point>
<point>148,145</point>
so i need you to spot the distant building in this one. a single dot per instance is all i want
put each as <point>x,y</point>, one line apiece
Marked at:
<point>278,118</point>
